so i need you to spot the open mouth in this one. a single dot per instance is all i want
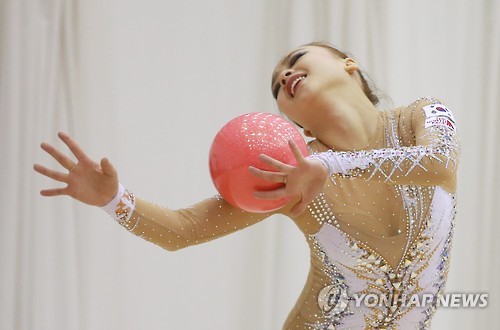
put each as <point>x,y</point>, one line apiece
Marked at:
<point>293,83</point>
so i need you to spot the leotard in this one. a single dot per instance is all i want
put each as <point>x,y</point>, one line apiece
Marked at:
<point>381,228</point>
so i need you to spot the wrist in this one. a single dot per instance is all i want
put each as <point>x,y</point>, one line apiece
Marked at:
<point>121,206</point>
<point>325,166</point>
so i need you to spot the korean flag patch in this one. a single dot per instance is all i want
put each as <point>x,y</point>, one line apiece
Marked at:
<point>438,110</point>
<point>440,121</point>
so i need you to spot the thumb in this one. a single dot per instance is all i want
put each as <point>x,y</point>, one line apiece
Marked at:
<point>107,168</point>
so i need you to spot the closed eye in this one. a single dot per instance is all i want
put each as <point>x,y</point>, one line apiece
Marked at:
<point>293,59</point>
<point>296,57</point>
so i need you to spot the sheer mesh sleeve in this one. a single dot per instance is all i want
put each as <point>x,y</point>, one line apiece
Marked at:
<point>432,160</point>
<point>176,229</point>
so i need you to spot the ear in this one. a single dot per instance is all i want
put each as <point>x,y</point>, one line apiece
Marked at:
<point>308,133</point>
<point>351,66</point>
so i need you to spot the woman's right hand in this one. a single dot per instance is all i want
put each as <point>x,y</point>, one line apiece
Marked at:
<point>87,181</point>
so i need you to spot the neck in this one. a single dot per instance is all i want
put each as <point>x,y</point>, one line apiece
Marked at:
<point>354,124</point>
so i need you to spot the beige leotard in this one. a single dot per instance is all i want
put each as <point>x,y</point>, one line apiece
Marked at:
<point>381,230</point>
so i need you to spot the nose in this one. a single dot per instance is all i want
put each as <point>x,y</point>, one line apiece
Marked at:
<point>284,76</point>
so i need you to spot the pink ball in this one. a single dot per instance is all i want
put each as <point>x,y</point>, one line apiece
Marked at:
<point>238,146</point>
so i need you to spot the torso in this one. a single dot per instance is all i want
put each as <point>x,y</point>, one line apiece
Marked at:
<point>373,237</point>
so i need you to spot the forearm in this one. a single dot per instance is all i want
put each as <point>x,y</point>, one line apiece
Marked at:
<point>170,229</point>
<point>432,164</point>
<point>176,229</point>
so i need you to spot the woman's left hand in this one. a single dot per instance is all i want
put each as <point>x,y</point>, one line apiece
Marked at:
<point>303,182</point>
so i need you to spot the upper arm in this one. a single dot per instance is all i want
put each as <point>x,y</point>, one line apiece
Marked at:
<point>425,151</point>
<point>434,128</point>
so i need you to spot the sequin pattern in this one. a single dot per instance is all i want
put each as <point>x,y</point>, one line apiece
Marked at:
<point>388,162</point>
<point>360,270</point>
<point>395,188</point>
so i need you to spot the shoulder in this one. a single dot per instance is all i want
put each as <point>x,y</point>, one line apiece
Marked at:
<point>423,101</point>
<point>428,109</point>
<point>428,112</point>
<point>419,115</point>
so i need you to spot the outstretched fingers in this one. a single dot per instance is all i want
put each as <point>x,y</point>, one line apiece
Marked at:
<point>54,192</point>
<point>267,175</point>
<point>271,194</point>
<point>55,175</point>
<point>61,158</point>
<point>72,145</point>
<point>280,166</point>
<point>296,151</point>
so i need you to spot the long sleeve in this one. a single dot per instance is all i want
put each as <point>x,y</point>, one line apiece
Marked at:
<point>176,229</point>
<point>431,160</point>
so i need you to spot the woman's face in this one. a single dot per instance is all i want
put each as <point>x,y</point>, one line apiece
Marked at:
<point>304,77</point>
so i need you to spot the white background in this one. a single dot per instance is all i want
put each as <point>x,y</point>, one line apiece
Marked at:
<point>148,84</point>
